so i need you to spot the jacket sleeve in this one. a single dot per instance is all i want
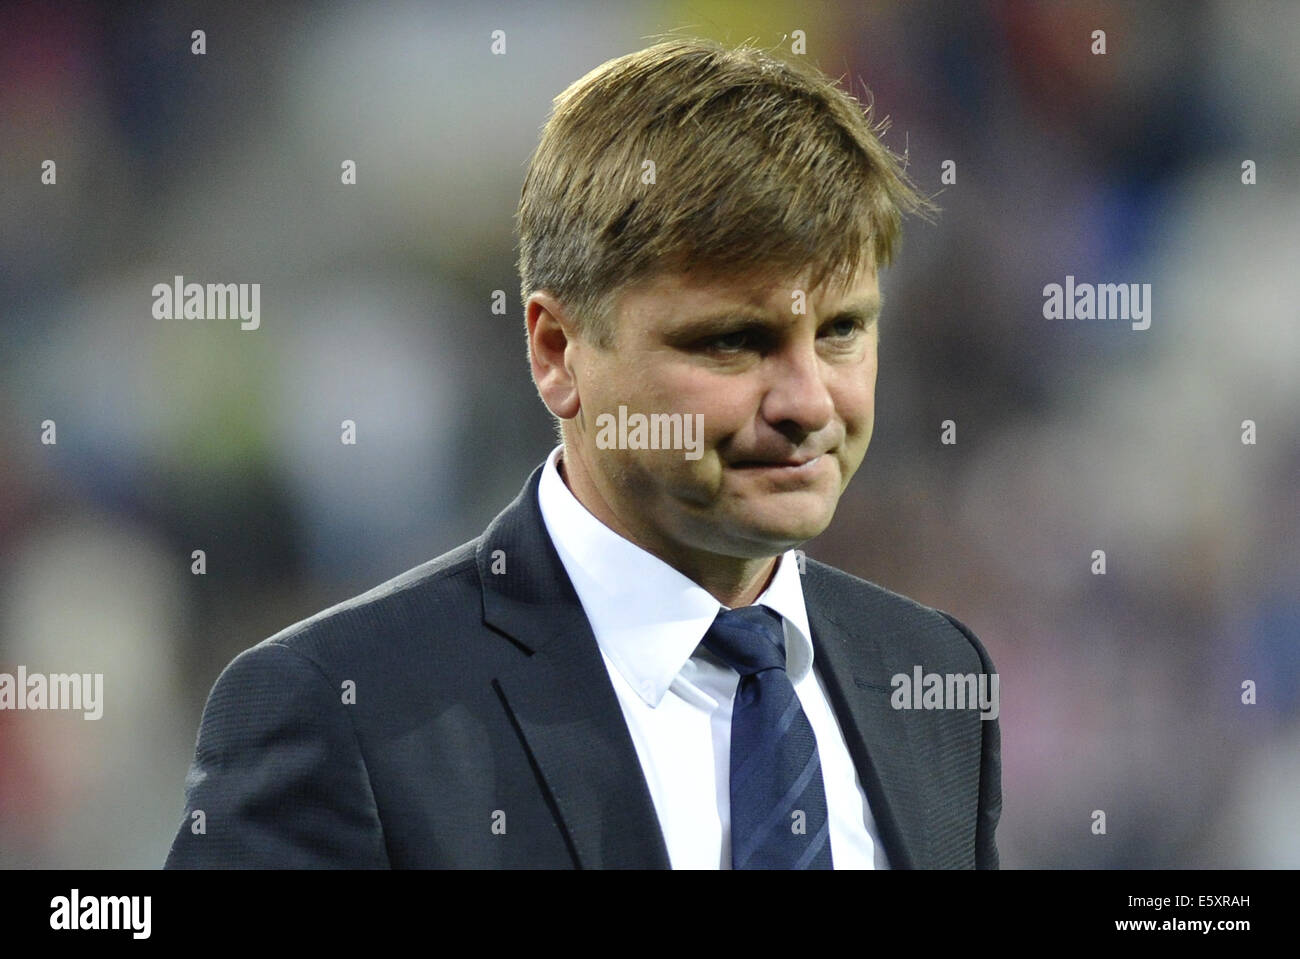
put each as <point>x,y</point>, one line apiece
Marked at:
<point>278,779</point>
<point>990,798</point>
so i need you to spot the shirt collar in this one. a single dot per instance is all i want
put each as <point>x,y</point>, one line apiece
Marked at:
<point>647,617</point>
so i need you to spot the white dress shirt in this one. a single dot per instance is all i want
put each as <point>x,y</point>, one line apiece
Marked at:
<point>676,696</point>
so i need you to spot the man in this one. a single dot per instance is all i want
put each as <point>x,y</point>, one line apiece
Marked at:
<point>633,666</point>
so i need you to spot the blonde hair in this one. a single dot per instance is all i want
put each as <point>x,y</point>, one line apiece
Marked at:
<point>761,165</point>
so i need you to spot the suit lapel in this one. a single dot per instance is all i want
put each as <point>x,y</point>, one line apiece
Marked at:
<point>560,698</point>
<point>857,671</point>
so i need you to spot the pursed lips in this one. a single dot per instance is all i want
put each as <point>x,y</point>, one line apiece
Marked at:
<point>791,463</point>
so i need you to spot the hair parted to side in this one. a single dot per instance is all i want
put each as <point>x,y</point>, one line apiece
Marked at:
<point>761,166</point>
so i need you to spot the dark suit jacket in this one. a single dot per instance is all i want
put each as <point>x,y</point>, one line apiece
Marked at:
<point>484,731</point>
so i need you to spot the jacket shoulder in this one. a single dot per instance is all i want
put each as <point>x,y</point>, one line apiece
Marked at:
<point>849,600</point>
<point>444,590</point>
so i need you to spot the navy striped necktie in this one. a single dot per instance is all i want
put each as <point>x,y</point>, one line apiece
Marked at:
<point>778,803</point>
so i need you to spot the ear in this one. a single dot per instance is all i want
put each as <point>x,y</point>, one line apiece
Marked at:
<point>552,341</point>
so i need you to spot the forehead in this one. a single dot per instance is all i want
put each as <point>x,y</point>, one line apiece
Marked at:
<point>682,295</point>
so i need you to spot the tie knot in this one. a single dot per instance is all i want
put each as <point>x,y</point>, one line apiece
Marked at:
<point>748,639</point>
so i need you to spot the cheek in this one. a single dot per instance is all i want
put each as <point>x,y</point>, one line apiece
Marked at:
<point>869,378</point>
<point>856,396</point>
<point>724,402</point>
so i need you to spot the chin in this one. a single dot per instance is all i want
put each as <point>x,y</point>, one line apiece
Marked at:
<point>771,538</point>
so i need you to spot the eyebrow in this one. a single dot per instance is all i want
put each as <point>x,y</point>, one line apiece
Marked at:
<point>863,311</point>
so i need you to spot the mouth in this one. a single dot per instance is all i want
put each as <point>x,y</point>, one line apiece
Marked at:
<point>793,465</point>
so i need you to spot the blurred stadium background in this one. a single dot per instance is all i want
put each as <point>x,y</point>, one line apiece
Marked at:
<point>1119,692</point>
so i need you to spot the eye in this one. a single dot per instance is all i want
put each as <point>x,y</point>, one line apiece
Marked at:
<point>730,342</point>
<point>845,327</point>
<point>744,339</point>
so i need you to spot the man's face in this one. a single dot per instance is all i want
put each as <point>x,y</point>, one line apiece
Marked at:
<point>787,400</point>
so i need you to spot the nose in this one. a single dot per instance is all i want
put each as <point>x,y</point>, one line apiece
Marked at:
<point>797,401</point>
